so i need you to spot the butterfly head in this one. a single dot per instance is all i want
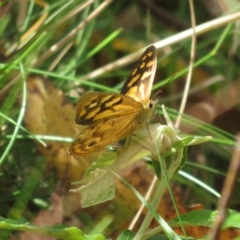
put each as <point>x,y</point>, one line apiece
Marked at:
<point>147,113</point>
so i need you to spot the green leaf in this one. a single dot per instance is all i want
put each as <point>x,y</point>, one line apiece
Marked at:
<point>58,231</point>
<point>206,218</point>
<point>157,168</point>
<point>165,227</point>
<point>99,190</point>
<point>102,163</point>
<point>184,159</point>
<point>126,235</point>
<point>164,237</point>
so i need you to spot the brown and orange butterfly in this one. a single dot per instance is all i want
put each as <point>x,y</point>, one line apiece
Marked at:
<point>111,117</point>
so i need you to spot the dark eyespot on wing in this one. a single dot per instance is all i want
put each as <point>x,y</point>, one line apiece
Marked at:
<point>91,144</point>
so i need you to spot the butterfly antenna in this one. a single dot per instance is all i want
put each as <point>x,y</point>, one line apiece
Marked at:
<point>160,91</point>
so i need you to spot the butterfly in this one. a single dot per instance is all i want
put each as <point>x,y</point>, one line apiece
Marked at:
<point>111,117</point>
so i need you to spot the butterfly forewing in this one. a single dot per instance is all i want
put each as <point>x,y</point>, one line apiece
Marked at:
<point>94,106</point>
<point>139,84</point>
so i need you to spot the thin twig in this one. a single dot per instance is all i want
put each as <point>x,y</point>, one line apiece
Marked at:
<point>60,56</point>
<point>72,33</point>
<point>227,191</point>
<point>32,30</point>
<point>146,197</point>
<point>188,83</point>
<point>203,28</point>
<point>192,57</point>
<point>206,83</point>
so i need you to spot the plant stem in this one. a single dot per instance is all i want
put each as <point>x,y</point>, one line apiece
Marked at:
<point>160,189</point>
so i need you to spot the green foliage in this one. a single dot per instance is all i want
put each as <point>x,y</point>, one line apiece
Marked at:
<point>206,218</point>
<point>58,231</point>
<point>78,51</point>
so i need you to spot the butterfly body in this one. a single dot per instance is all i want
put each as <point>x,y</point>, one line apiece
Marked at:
<point>110,117</point>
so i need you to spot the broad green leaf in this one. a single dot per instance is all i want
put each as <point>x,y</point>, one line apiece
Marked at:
<point>206,218</point>
<point>99,190</point>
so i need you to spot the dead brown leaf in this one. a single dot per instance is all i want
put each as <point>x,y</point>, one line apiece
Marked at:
<point>49,113</point>
<point>46,218</point>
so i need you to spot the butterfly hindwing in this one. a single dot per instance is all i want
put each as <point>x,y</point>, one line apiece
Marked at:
<point>103,132</point>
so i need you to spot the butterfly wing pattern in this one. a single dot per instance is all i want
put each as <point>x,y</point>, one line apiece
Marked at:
<point>111,117</point>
